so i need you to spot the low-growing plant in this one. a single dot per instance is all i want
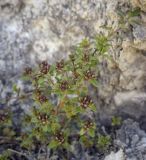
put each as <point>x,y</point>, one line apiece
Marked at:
<point>6,129</point>
<point>103,142</point>
<point>53,123</point>
<point>116,121</point>
<point>6,132</point>
<point>5,155</point>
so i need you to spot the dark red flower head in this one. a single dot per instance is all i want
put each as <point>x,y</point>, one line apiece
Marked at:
<point>44,67</point>
<point>89,75</point>
<point>60,137</point>
<point>60,65</point>
<point>85,101</point>
<point>43,117</point>
<point>64,85</point>
<point>42,98</point>
<point>88,124</point>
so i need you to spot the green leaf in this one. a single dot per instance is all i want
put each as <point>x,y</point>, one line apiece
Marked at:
<point>71,91</point>
<point>80,72</point>
<point>103,141</point>
<point>53,144</point>
<point>55,126</point>
<point>79,109</point>
<point>102,44</point>
<point>46,128</point>
<point>15,89</point>
<point>27,143</point>
<point>135,12</point>
<point>93,62</point>
<point>5,155</point>
<point>93,108</point>
<point>94,82</point>
<point>91,132</point>
<point>41,81</point>
<point>52,69</point>
<point>116,121</point>
<point>25,78</point>
<point>82,131</point>
<point>86,141</point>
<point>85,43</point>
<point>66,145</point>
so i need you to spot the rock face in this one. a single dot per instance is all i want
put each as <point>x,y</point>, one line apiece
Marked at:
<point>132,142</point>
<point>34,30</point>
<point>139,3</point>
<point>115,156</point>
<point>132,139</point>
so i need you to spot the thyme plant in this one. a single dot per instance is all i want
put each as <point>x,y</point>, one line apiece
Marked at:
<point>52,124</point>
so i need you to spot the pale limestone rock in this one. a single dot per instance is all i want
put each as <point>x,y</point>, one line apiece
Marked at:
<point>139,3</point>
<point>9,8</point>
<point>132,63</point>
<point>48,29</point>
<point>116,156</point>
<point>140,45</point>
<point>131,103</point>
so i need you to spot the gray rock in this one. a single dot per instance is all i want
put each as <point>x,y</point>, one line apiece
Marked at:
<point>139,32</point>
<point>115,156</point>
<point>134,140</point>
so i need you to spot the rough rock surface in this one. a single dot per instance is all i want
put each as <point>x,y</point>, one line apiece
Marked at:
<point>139,3</point>
<point>33,30</point>
<point>133,140</point>
<point>115,156</point>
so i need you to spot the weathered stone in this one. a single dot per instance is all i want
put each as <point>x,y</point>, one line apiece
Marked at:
<point>31,31</point>
<point>134,140</point>
<point>139,3</point>
<point>132,103</point>
<point>116,156</point>
<point>132,64</point>
<point>139,32</point>
<point>10,8</point>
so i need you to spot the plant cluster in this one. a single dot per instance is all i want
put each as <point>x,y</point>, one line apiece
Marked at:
<point>52,123</point>
<point>6,123</point>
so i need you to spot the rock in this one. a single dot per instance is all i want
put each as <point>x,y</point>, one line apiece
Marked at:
<point>10,8</point>
<point>132,103</point>
<point>132,63</point>
<point>116,156</point>
<point>31,31</point>
<point>134,140</point>
<point>139,3</point>
<point>139,33</point>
